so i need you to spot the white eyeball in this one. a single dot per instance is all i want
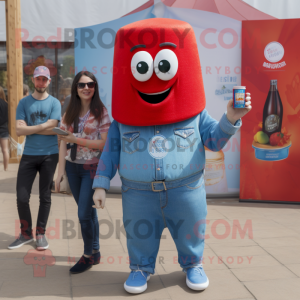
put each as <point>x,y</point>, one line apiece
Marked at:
<point>165,64</point>
<point>142,66</point>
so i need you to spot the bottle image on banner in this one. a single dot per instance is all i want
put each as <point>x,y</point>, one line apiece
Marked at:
<point>272,141</point>
<point>215,175</point>
<point>273,111</point>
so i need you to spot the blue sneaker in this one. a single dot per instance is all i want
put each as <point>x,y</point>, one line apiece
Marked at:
<point>136,282</point>
<point>196,278</point>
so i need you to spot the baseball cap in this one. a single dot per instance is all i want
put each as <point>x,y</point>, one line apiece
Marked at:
<point>41,71</point>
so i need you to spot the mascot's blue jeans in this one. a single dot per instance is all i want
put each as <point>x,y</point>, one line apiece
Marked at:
<point>148,208</point>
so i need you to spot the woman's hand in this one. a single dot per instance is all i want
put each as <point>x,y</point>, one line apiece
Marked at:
<point>70,138</point>
<point>58,180</point>
<point>233,114</point>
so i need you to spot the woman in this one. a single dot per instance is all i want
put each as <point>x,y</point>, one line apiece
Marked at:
<point>87,122</point>
<point>4,135</point>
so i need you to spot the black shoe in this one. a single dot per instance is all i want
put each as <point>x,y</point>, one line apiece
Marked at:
<point>96,257</point>
<point>84,264</point>
<point>41,242</point>
<point>20,241</point>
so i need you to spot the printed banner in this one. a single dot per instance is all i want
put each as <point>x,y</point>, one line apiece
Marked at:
<point>270,145</point>
<point>218,39</point>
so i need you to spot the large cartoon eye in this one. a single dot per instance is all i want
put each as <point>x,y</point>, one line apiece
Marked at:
<point>142,66</point>
<point>165,64</point>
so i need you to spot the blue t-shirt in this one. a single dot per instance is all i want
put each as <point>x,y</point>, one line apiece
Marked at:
<point>35,112</point>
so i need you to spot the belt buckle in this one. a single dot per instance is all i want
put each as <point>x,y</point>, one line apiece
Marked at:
<point>165,188</point>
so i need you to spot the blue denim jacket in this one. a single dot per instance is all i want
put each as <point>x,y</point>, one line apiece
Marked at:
<point>161,152</point>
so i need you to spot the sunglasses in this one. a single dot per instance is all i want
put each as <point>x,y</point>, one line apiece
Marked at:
<point>81,85</point>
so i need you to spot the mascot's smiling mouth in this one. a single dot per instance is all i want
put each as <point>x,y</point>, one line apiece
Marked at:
<point>155,98</point>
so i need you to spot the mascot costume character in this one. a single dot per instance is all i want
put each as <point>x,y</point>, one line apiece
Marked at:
<point>156,141</point>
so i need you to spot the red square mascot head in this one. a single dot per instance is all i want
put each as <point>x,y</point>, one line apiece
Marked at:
<point>157,74</point>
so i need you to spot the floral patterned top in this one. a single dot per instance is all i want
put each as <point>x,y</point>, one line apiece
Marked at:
<point>91,131</point>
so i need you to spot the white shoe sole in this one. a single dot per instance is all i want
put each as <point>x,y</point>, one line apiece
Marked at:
<point>42,248</point>
<point>197,287</point>
<point>16,247</point>
<point>136,289</point>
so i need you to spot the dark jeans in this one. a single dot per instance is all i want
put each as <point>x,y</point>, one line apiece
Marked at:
<point>29,166</point>
<point>81,180</point>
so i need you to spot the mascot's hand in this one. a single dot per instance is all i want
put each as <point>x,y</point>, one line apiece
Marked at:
<point>99,198</point>
<point>233,114</point>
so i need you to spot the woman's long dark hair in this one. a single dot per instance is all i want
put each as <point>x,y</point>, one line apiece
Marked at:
<point>74,107</point>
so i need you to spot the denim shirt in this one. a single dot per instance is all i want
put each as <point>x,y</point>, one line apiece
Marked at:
<point>161,152</point>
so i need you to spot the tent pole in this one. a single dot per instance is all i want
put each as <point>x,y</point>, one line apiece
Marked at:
<point>14,68</point>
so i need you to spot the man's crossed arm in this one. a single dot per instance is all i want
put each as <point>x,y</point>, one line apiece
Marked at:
<point>44,129</point>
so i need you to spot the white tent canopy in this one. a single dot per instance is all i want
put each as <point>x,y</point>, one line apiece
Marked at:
<point>280,9</point>
<point>46,18</point>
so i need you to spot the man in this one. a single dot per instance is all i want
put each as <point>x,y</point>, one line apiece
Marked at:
<point>36,115</point>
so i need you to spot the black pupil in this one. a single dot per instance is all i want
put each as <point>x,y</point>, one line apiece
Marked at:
<point>164,66</point>
<point>142,67</point>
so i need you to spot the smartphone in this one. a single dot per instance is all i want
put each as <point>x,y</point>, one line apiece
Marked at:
<point>57,130</point>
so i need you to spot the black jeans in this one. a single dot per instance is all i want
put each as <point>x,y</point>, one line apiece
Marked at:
<point>29,166</point>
